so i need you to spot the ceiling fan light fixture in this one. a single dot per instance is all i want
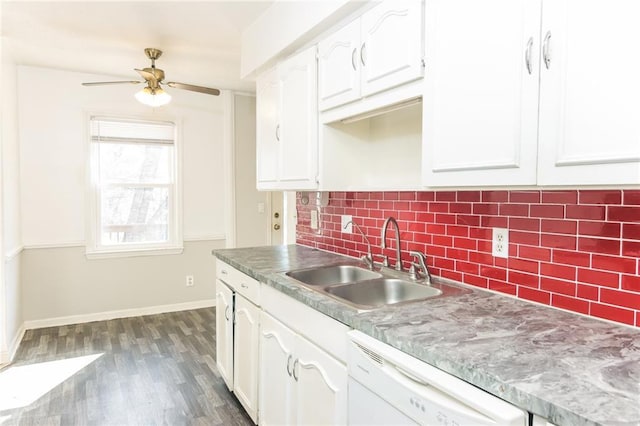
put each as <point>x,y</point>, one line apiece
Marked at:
<point>153,97</point>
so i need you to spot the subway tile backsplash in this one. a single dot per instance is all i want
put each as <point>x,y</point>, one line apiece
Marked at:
<point>573,249</point>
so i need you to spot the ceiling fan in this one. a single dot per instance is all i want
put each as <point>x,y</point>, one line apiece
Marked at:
<point>153,94</point>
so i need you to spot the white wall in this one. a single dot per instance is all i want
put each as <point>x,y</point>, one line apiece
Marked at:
<point>10,247</point>
<point>58,281</point>
<point>52,112</point>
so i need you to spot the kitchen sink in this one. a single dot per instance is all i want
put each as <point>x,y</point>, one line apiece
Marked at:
<point>382,291</point>
<point>330,275</point>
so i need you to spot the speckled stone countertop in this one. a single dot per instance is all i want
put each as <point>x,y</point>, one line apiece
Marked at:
<point>570,369</point>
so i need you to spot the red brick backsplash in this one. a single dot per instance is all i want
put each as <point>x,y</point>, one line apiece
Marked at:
<point>573,249</point>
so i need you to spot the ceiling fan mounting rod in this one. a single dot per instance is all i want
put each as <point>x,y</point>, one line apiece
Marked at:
<point>153,54</point>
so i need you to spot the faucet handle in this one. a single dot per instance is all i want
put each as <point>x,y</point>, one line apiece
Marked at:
<point>421,264</point>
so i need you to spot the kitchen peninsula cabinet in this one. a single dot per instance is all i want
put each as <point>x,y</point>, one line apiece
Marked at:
<point>490,73</point>
<point>377,51</point>
<point>287,124</point>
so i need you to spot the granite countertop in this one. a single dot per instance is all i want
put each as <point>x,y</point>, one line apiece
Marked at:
<point>565,367</point>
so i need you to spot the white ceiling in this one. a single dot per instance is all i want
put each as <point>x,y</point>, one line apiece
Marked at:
<point>200,40</point>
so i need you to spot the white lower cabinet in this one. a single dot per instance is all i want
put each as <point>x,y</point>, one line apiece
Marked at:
<point>299,382</point>
<point>224,332</point>
<point>245,355</point>
<point>237,334</point>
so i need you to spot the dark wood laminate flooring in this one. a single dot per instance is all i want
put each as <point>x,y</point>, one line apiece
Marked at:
<point>150,370</point>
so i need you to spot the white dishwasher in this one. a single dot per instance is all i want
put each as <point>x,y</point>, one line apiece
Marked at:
<point>390,387</point>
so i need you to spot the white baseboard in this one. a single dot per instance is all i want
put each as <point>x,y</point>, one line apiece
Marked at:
<point>124,313</point>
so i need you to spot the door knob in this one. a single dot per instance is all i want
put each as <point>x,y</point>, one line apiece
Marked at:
<point>276,226</point>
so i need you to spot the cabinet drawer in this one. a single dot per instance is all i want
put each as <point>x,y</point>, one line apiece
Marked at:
<point>238,281</point>
<point>322,330</point>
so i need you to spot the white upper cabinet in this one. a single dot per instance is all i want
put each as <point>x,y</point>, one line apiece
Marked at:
<point>287,124</point>
<point>589,93</point>
<point>543,92</point>
<point>380,50</point>
<point>339,67</point>
<point>481,90</point>
<point>299,121</point>
<point>267,128</point>
<point>391,50</point>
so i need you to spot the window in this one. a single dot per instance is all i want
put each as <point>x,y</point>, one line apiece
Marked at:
<point>133,171</point>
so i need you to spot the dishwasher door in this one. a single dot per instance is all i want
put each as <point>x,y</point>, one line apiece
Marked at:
<point>385,383</point>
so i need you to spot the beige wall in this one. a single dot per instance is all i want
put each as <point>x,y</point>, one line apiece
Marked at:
<point>252,227</point>
<point>61,286</point>
<point>58,283</point>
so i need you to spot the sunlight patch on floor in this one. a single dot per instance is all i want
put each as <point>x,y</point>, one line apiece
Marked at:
<point>22,385</point>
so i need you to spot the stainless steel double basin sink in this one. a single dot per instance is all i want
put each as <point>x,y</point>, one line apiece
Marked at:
<point>365,289</point>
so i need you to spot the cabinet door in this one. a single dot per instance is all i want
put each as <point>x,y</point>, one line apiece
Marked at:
<point>589,91</point>
<point>224,332</point>
<point>321,395</point>
<point>391,51</point>
<point>267,130</point>
<point>299,121</point>
<point>339,67</point>
<point>245,359</point>
<point>276,376</point>
<point>481,92</point>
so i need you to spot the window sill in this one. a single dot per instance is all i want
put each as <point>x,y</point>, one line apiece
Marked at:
<point>132,252</point>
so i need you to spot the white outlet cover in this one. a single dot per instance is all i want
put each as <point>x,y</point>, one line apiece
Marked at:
<point>314,219</point>
<point>347,229</point>
<point>500,243</point>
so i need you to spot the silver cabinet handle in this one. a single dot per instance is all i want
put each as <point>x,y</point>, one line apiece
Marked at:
<point>289,365</point>
<point>278,133</point>
<point>224,272</point>
<point>295,363</point>
<point>243,285</point>
<point>353,58</point>
<point>546,50</point>
<point>362,54</point>
<point>226,313</point>
<point>527,55</point>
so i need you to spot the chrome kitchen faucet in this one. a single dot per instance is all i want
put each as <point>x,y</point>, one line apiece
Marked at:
<point>383,245</point>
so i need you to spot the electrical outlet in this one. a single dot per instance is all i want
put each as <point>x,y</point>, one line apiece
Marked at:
<point>189,281</point>
<point>347,229</point>
<point>314,219</point>
<point>500,246</point>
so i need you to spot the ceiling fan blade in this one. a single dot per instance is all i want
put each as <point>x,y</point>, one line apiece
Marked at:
<point>207,90</point>
<point>106,83</point>
<point>147,76</point>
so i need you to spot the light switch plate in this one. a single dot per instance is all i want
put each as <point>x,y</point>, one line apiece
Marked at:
<point>314,219</point>
<point>347,229</point>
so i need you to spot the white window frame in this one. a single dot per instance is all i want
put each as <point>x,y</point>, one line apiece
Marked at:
<point>94,250</point>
